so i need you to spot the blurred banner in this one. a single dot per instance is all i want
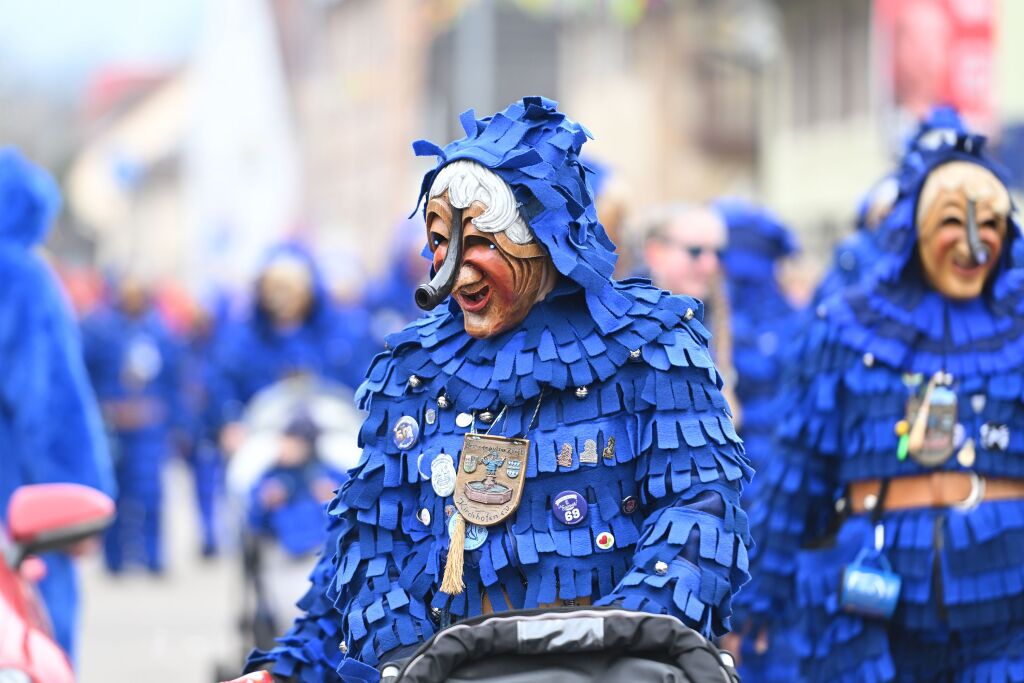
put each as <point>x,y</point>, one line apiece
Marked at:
<point>938,52</point>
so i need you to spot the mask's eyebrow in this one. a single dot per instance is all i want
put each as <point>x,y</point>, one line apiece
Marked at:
<point>441,208</point>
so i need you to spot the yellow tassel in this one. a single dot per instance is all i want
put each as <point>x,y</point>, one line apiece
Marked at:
<point>452,582</point>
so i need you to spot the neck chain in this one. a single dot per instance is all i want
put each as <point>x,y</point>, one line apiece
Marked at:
<point>503,412</point>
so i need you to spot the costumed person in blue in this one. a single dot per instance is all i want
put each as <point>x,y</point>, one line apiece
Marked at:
<point>50,426</point>
<point>762,317</point>
<point>762,322</point>
<point>201,450</point>
<point>892,512</point>
<point>854,255</point>
<point>134,365</point>
<point>293,328</point>
<point>545,436</point>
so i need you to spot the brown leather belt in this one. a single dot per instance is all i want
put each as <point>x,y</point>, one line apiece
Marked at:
<point>934,490</point>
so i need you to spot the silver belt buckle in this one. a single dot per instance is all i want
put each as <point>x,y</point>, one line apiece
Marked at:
<point>976,495</point>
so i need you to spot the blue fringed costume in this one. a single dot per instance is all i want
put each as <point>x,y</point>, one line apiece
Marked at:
<point>762,317</point>
<point>601,359</point>
<point>960,614</point>
<point>133,363</point>
<point>763,321</point>
<point>50,427</point>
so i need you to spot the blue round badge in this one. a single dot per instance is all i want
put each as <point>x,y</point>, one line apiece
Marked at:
<point>475,534</point>
<point>570,507</point>
<point>405,433</point>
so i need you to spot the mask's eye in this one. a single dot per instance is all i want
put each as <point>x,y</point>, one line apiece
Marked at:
<point>437,240</point>
<point>475,241</point>
<point>952,220</point>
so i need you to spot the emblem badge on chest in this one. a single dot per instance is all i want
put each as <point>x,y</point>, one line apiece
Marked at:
<point>933,420</point>
<point>489,485</point>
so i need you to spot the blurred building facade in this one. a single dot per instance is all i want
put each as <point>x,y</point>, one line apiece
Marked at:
<point>831,123</point>
<point>305,129</point>
<point>670,91</point>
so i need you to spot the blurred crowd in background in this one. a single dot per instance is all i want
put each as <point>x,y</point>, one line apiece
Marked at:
<point>238,184</point>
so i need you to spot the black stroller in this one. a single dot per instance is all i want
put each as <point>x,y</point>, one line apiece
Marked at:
<point>569,645</point>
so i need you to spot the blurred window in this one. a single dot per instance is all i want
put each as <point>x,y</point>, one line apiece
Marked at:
<point>828,59</point>
<point>728,87</point>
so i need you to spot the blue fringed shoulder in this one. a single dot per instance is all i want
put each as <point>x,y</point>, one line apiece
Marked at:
<point>558,346</point>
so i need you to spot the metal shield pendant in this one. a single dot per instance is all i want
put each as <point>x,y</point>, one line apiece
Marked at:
<point>940,431</point>
<point>486,494</point>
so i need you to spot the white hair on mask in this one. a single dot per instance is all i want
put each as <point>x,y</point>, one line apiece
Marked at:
<point>468,182</point>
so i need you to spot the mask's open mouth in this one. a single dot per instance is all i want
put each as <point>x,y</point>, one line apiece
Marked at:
<point>965,264</point>
<point>473,299</point>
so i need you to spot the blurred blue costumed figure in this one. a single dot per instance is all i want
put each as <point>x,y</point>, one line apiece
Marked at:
<point>287,502</point>
<point>603,411</point>
<point>763,322</point>
<point>135,368</point>
<point>293,327</point>
<point>854,255</point>
<point>50,427</point>
<point>892,513</point>
<point>202,451</point>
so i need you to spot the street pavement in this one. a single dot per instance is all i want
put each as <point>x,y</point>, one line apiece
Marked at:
<point>175,628</point>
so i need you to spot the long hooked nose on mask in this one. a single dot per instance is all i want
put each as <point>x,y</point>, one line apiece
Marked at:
<point>979,251</point>
<point>428,296</point>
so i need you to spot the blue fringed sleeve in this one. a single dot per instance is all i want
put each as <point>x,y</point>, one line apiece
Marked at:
<point>793,504</point>
<point>380,569</point>
<point>692,553</point>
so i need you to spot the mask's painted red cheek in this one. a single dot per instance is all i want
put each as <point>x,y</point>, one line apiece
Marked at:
<point>495,268</point>
<point>439,255</point>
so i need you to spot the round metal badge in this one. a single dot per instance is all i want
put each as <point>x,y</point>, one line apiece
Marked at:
<point>442,475</point>
<point>570,507</point>
<point>405,433</point>
<point>475,534</point>
<point>605,540</point>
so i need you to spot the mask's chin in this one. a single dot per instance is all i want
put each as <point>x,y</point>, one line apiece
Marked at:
<point>482,326</point>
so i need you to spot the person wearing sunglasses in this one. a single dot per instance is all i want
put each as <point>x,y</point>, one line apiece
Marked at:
<point>683,249</point>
